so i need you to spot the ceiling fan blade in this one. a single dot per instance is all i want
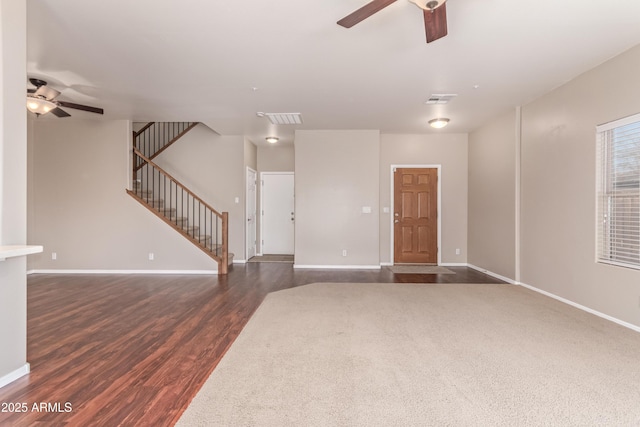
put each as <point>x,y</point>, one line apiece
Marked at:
<point>46,92</point>
<point>435,23</point>
<point>364,12</point>
<point>81,107</point>
<point>59,112</point>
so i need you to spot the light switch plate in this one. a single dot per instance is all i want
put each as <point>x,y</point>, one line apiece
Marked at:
<point>366,209</point>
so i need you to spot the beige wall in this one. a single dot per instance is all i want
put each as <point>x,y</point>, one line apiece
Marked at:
<point>558,188</point>
<point>337,174</point>
<point>492,196</point>
<point>81,210</point>
<point>13,188</point>
<point>250,155</point>
<point>276,158</point>
<point>447,150</point>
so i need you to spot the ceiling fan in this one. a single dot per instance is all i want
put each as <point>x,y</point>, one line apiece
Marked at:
<point>42,100</point>
<point>435,16</point>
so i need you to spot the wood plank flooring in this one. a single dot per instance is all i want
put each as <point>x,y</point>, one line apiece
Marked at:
<point>133,350</point>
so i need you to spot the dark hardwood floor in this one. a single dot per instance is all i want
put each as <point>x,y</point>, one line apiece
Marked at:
<point>131,350</point>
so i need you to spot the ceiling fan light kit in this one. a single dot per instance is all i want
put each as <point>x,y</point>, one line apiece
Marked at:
<point>435,16</point>
<point>39,106</point>
<point>438,123</point>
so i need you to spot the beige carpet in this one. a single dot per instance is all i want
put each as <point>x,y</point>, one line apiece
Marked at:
<point>420,269</point>
<point>422,355</point>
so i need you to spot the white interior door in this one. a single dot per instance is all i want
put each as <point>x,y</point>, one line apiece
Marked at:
<point>251,213</point>
<point>278,214</point>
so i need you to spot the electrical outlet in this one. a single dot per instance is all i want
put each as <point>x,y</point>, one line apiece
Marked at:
<point>344,252</point>
<point>458,251</point>
<point>54,256</point>
<point>151,256</point>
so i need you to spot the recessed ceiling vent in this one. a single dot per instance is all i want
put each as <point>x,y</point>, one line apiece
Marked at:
<point>283,118</point>
<point>440,98</point>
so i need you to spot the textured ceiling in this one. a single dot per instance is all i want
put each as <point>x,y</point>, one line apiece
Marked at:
<point>220,62</point>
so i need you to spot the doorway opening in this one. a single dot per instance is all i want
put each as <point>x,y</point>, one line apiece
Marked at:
<point>251,206</point>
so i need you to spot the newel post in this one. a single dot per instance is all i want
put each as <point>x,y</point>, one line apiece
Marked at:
<point>224,265</point>
<point>133,158</point>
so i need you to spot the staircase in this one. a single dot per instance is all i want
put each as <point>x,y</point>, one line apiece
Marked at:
<point>170,200</point>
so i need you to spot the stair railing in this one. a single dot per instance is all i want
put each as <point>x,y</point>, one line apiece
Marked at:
<point>182,209</point>
<point>155,137</point>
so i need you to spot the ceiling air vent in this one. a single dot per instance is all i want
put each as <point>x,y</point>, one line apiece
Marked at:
<point>440,98</point>
<point>284,118</point>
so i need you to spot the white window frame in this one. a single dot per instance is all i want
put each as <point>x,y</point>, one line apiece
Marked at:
<point>617,196</point>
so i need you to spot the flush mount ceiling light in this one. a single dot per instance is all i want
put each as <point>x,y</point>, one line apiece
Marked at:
<point>39,106</point>
<point>438,123</point>
<point>272,139</point>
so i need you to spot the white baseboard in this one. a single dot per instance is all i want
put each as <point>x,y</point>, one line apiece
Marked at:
<point>386,264</point>
<point>239,261</point>
<point>583,308</point>
<point>454,264</point>
<point>338,267</point>
<point>123,271</point>
<point>558,298</point>
<point>12,376</point>
<point>492,274</point>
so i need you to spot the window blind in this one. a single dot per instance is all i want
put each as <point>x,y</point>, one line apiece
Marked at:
<point>618,192</point>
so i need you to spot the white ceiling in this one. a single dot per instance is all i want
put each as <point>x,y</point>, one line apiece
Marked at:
<point>221,61</point>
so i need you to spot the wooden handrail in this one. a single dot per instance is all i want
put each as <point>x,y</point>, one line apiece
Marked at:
<point>147,160</point>
<point>210,251</point>
<point>147,126</point>
<point>168,144</point>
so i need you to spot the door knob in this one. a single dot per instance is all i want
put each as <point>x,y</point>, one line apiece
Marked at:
<point>396,221</point>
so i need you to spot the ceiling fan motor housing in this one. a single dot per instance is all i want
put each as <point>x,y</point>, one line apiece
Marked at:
<point>428,4</point>
<point>37,82</point>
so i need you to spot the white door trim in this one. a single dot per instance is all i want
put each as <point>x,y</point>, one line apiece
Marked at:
<point>247,231</point>
<point>391,208</point>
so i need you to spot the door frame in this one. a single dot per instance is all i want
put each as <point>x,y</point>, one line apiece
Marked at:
<point>261,252</point>
<point>246,212</point>
<point>392,204</point>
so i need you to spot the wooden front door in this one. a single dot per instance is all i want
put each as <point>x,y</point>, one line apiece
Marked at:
<point>415,215</point>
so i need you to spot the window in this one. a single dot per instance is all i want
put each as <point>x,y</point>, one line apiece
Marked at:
<point>618,193</point>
